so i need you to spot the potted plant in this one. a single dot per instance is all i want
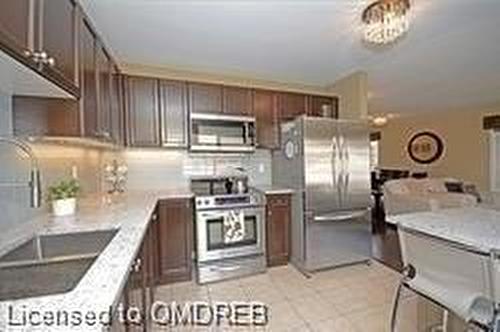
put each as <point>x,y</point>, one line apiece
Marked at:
<point>63,197</point>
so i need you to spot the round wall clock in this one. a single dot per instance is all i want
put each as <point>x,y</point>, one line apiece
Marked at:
<point>425,147</point>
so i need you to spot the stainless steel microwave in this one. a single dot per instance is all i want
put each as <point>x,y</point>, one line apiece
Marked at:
<point>222,133</point>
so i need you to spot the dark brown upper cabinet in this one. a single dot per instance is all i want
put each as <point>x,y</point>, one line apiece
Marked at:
<point>237,101</point>
<point>57,38</point>
<point>292,105</point>
<point>323,106</point>
<point>16,26</point>
<point>117,114</point>
<point>88,80</point>
<point>205,98</point>
<point>265,106</point>
<point>173,113</point>
<point>142,113</point>
<point>41,34</point>
<point>104,68</point>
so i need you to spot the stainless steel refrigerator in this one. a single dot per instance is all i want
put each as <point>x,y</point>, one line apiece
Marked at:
<point>326,161</point>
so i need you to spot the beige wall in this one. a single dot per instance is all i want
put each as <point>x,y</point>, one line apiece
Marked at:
<point>352,91</point>
<point>466,153</point>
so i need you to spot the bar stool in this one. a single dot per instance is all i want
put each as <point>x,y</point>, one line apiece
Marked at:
<point>459,278</point>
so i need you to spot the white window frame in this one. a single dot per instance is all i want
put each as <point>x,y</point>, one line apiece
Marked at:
<point>494,159</point>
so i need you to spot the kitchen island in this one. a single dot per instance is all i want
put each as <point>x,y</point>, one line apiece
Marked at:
<point>476,227</point>
<point>101,286</point>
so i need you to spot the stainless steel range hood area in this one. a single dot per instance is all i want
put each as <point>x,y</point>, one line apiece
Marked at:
<point>222,133</point>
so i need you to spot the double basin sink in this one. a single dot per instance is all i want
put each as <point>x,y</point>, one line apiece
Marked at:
<point>50,264</point>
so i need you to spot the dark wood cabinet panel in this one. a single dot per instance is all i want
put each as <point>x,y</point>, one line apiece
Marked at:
<point>38,116</point>
<point>265,105</point>
<point>143,123</point>
<point>205,98</point>
<point>237,101</point>
<point>117,112</point>
<point>88,79</point>
<point>278,211</point>
<point>174,113</point>
<point>16,25</point>
<point>104,67</point>
<point>57,36</point>
<point>323,106</point>
<point>175,234</point>
<point>292,105</point>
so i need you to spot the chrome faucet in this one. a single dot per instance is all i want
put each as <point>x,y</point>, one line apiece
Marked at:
<point>34,181</point>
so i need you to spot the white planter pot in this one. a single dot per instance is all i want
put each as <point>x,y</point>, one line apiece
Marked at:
<point>64,207</point>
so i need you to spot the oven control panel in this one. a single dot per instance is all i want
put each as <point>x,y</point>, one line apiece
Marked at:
<point>226,201</point>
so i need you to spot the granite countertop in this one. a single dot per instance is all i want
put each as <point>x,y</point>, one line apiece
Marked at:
<point>478,227</point>
<point>102,284</point>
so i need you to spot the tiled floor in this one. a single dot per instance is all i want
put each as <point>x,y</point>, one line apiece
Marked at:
<point>356,298</point>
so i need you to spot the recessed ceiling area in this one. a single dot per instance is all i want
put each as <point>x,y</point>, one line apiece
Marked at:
<point>450,59</point>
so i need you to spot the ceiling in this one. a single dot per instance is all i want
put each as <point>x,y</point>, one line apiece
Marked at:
<point>449,60</point>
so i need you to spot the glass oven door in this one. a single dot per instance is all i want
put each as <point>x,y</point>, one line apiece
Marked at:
<point>229,233</point>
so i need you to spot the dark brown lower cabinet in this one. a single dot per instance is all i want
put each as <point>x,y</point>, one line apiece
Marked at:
<point>138,294</point>
<point>175,240</point>
<point>278,219</point>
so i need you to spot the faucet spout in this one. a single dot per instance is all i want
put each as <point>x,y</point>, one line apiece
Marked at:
<point>35,178</point>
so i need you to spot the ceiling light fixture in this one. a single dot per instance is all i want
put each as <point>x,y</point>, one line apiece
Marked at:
<point>380,121</point>
<point>385,21</point>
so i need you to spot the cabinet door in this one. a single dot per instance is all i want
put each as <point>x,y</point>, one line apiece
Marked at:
<point>322,106</point>
<point>117,113</point>
<point>174,113</point>
<point>104,93</point>
<point>142,112</point>
<point>237,101</point>
<point>205,98</point>
<point>137,295</point>
<point>278,229</point>
<point>57,36</point>
<point>16,25</point>
<point>266,114</point>
<point>292,105</point>
<point>88,80</point>
<point>175,240</point>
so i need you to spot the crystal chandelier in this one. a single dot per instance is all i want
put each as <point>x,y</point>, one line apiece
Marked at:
<point>385,21</point>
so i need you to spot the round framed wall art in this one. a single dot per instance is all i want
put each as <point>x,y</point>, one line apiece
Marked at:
<point>425,147</point>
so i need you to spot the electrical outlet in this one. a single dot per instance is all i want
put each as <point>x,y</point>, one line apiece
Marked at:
<point>262,168</point>
<point>74,172</point>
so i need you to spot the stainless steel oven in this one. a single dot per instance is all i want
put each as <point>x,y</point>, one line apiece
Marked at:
<point>229,232</point>
<point>230,229</point>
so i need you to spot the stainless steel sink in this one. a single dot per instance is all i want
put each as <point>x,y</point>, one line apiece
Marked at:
<point>50,264</point>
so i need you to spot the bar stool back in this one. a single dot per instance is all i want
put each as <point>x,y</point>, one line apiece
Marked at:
<point>458,278</point>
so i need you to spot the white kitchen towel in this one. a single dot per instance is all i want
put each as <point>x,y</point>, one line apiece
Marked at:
<point>234,227</point>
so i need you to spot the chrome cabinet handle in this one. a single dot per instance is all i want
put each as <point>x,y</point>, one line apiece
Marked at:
<point>137,265</point>
<point>41,58</point>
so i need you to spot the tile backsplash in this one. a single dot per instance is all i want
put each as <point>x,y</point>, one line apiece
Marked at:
<point>56,162</point>
<point>159,169</point>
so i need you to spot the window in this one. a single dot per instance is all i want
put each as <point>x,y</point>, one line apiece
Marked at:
<point>495,161</point>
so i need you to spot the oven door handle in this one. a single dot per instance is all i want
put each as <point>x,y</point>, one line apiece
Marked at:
<point>225,268</point>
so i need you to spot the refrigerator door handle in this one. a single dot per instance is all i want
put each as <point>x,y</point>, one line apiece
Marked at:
<point>347,166</point>
<point>335,148</point>
<point>341,175</point>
